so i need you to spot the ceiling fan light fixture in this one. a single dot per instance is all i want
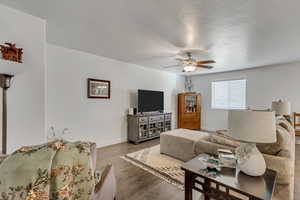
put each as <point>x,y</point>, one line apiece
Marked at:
<point>189,68</point>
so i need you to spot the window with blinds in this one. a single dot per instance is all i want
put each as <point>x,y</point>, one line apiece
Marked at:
<point>229,94</point>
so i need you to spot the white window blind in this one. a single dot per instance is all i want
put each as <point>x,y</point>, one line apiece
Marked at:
<point>229,94</point>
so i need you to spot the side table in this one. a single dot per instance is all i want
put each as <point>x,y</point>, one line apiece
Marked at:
<point>228,184</point>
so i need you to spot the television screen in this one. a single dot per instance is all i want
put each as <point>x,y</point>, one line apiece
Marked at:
<point>149,101</point>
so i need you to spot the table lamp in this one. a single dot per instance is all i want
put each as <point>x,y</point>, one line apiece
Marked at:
<point>251,127</point>
<point>281,107</point>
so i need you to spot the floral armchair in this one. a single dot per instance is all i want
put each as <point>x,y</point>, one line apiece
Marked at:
<point>55,170</point>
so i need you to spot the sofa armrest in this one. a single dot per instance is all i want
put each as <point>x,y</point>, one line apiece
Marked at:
<point>107,187</point>
<point>282,165</point>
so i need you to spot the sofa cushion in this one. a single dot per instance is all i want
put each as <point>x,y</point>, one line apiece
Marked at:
<point>282,165</point>
<point>180,143</point>
<point>282,143</point>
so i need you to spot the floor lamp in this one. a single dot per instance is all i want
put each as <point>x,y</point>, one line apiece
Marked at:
<point>5,81</point>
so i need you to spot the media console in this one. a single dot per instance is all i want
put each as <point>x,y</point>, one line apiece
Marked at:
<point>142,127</point>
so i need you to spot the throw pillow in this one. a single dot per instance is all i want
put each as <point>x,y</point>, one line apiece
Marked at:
<point>223,139</point>
<point>283,141</point>
<point>280,120</point>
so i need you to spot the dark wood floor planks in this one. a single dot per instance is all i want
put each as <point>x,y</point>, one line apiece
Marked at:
<point>137,184</point>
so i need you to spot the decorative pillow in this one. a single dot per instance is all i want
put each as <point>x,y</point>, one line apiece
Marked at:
<point>280,120</point>
<point>283,142</point>
<point>223,139</point>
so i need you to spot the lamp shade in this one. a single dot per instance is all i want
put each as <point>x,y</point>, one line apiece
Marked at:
<point>252,126</point>
<point>281,107</point>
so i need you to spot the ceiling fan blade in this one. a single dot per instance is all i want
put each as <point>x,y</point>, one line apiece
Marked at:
<point>205,66</point>
<point>172,66</point>
<point>205,62</point>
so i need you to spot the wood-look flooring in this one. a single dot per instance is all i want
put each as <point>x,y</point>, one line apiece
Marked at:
<point>137,184</point>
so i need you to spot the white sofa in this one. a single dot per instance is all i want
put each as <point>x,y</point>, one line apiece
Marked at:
<point>186,144</point>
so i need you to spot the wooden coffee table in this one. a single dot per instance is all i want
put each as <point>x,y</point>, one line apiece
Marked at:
<point>228,184</point>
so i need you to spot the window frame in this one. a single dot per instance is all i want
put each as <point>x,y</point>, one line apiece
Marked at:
<point>222,80</point>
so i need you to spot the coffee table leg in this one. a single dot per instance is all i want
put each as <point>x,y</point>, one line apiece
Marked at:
<point>206,197</point>
<point>188,186</point>
<point>206,188</point>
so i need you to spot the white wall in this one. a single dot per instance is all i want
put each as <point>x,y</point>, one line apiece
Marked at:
<point>26,116</point>
<point>263,86</point>
<point>99,120</point>
<point>33,106</point>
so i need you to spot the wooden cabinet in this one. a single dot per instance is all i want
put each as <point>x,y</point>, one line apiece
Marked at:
<point>189,111</point>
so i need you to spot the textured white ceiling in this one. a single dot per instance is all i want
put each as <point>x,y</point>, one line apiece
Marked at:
<point>236,33</point>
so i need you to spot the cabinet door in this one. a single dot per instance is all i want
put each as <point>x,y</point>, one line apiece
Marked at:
<point>189,111</point>
<point>190,104</point>
<point>193,124</point>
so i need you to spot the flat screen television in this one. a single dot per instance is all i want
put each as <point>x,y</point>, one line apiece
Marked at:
<point>150,101</point>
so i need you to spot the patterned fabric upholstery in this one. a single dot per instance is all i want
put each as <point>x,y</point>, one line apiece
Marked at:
<point>54,170</point>
<point>69,153</point>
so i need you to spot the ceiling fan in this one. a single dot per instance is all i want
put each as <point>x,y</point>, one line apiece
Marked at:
<point>190,65</point>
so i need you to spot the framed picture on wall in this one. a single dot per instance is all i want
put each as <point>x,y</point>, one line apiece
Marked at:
<point>98,89</point>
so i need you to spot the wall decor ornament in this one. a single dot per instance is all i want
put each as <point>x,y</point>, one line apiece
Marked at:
<point>189,86</point>
<point>11,52</point>
<point>98,88</point>
<point>57,135</point>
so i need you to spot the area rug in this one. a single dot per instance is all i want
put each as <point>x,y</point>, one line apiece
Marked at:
<point>162,166</point>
